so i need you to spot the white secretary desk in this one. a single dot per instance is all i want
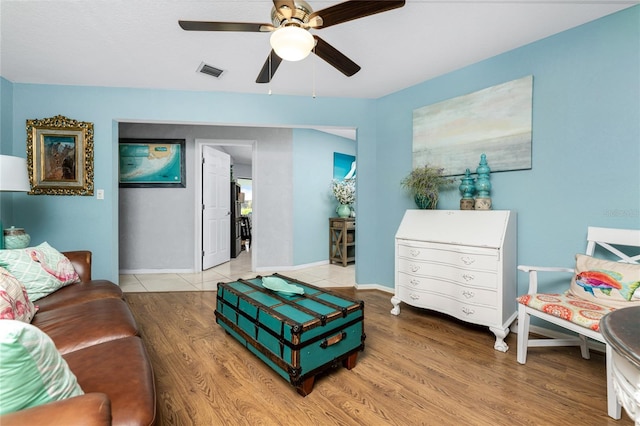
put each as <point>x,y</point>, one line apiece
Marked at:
<point>461,263</point>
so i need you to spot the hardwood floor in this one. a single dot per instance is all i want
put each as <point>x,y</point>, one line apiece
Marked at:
<point>418,368</point>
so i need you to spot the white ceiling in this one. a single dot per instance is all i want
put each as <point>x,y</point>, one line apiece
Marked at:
<point>138,43</point>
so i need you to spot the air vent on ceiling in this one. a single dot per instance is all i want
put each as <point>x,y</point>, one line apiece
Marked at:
<point>209,70</point>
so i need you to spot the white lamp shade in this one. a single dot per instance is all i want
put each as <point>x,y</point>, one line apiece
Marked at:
<point>13,174</point>
<point>292,43</point>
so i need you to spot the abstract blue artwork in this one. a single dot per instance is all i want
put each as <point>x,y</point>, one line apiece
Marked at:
<point>344,166</point>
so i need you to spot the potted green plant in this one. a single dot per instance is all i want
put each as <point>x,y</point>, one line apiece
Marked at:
<point>424,184</point>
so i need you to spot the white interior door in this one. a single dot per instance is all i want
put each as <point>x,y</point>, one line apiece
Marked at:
<point>216,207</point>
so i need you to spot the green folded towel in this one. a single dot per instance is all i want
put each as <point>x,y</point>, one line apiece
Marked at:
<point>281,286</point>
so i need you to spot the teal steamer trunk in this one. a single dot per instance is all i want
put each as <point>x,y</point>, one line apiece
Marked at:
<point>298,336</point>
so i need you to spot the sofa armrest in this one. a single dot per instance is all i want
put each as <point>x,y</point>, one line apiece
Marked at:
<point>91,409</point>
<point>81,261</point>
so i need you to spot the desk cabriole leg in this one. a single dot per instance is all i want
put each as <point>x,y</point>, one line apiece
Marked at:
<point>500,333</point>
<point>396,305</point>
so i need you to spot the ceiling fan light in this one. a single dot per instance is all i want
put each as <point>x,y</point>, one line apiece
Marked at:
<point>292,43</point>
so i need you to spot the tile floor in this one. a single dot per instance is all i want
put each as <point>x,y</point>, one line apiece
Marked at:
<point>321,276</point>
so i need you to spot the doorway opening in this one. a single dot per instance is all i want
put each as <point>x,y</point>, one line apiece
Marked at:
<point>246,212</point>
<point>237,149</point>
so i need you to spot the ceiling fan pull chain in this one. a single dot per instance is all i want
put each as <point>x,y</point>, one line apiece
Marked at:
<point>270,75</point>
<point>313,73</point>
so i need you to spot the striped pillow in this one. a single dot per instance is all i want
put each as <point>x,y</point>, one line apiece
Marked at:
<point>32,371</point>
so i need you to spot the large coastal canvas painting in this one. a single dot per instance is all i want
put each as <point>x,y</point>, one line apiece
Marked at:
<point>495,121</point>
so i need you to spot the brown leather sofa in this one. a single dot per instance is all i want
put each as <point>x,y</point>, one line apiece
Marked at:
<point>94,330</point>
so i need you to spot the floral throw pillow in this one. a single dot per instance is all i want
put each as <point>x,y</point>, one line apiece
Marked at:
<point>14,302</point>
<point>605,282</point>
<point>41,269</point>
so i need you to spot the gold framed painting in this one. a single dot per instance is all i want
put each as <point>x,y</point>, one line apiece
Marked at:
<point>60,156</point>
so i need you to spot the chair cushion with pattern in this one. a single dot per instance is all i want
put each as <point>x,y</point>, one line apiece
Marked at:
<point>567,307</point>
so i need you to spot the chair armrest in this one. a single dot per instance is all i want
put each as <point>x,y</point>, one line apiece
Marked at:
<point>533,274</point>
<point>81,261</point>
<point>91,409</point>
<point>526,268</point>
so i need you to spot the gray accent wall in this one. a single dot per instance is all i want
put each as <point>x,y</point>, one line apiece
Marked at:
<point>291,198</point>
<point>156,225</point>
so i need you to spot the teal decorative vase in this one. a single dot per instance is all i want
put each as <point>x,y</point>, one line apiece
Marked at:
<point>483,186</point>
<point>467,185</point>
<point>467,188</point>
<point>423,202</point>
<point>343,210</point>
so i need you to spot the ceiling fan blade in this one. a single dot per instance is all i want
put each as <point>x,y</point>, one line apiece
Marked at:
<point>269,68</point>
<point>225,26</point>
<point>353,9</point>
<point>285,7</point>
<point>333,57</point>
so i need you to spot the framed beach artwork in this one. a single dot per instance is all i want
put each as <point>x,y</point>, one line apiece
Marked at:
<point>60,156</point>
<point>496,121</point>
<point>148,163</point>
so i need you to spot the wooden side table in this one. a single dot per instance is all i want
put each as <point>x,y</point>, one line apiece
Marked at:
<point>342,240</point>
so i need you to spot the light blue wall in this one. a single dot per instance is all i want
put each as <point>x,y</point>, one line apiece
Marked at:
<point>6,101</point>
<point>314,201</point>
<point>586,141</point>
<point>72,222</point>
<point>586,135</point>
<point>6,128</point>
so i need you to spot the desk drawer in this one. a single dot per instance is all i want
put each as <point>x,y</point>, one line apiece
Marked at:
<point>472,278</point>
<point>463,257</point>
<point>473,295</point>
<point>484,315</point>
<point>342,223</point>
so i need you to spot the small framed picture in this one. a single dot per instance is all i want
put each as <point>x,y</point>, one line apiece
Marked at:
<point>60,156</point>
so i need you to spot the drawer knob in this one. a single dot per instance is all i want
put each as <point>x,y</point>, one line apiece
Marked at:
<point>414,252</point>
<point>415,268</point>
<point>414,282</point>
<point>414,296</point>
<point>468,294</point>
<point>467,260</point>
<point>468,277</point>
<point>468,311</point>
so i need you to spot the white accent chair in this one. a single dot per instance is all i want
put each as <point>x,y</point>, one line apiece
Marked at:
<point>613,241</point>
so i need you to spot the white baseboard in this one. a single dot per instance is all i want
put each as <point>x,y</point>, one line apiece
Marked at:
<point>155,271</point>
<point>375,287</point>
<point>191,271</point>
<point>291,268</point>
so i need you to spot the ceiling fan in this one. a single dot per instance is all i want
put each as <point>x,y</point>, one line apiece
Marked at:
<point>291,39</point>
